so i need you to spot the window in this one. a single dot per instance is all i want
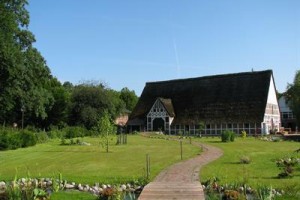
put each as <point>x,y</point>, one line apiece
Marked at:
<point>287,115</point>
<point>229,125</point>
<point>149,119</point>
<point>207,126</point>
<point>167,119</point>
<point>246,125</point>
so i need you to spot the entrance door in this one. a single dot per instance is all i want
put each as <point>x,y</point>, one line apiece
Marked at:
<point>158,124</point>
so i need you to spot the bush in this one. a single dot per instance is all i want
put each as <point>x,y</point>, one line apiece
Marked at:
<point>42,137</point>
<point>14,139</point>
<point>287,165</point>
<point>245,160</point>
<point>76,131</point>
<point>28,138</point>
<point>63,141</point>
<point>227,136</point>
<point>56,134</point>
<point>243,134</point>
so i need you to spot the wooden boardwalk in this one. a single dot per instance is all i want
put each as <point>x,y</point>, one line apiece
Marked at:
<point>181,180</point>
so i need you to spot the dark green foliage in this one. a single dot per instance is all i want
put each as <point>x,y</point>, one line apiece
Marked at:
<point>74,132</point>
<point>56,134</point>
<point>42,137</point>
<point>88,102</point>
<point>228,136</point>
<point>24,74</point>
<point>14,139</point>
<point>57,113</point>
<point>28,138</point>
<point>30,95</point>
<point>129,97</point>
<point>293,96</point>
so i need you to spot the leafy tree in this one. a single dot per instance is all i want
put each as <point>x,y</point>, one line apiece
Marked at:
<point>293,96</point>
<point>24,74</point>
<point>129,97</point>
<point>57,113</point>
<point>117,105</point>
<point>68,86</point>
<point>88,103</point>
<point>106,130</point>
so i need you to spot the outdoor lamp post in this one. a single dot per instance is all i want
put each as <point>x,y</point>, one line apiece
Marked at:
<point>22,110</point>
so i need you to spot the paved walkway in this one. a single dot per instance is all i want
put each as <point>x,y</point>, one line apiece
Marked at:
<point>181,180</point>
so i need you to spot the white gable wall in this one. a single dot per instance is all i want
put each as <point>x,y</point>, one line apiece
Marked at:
<point>272,114</point>
<point>272,98</point>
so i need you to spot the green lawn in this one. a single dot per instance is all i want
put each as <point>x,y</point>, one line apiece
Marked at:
<point>66,195</point>
<point>261,171</point>
<point>90,164</point>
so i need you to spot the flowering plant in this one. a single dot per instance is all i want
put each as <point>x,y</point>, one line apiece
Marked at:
<point>287,166</point>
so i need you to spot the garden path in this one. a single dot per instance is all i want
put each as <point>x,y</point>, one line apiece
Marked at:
<point>181,180</point>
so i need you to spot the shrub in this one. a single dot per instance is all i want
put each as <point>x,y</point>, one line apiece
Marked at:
<point>243,134</point>
<point>227,136</point>
<point>28,138</point>
<point>76,131</point>
<point>42,137</point>
<point>63,141</point>
<point>287,166</point>
<point>56,134</point>
<point>245,160</point>
<point>135,133</point>
<point>14,139</point>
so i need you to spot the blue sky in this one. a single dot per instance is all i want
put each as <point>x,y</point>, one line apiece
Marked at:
<point>126,43</point>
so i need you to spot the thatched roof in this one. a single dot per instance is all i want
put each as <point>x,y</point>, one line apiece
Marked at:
<point>239,97</point>
<point>167,103</point>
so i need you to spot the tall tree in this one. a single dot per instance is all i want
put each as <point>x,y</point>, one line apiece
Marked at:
<point>89,101</point>
<point>293,96</point>
<point>57,113</point>
<point>24,74</point>
<point>129,97</point>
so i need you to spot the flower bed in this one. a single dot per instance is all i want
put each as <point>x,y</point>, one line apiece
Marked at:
<point>42,188</point>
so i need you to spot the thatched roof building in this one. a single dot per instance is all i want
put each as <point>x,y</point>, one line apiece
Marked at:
<point>224,101</point>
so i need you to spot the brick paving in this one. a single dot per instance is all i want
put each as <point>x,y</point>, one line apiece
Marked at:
<point>181,180</point>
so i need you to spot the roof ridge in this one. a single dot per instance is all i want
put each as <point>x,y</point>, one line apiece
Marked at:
<point>211,76</point>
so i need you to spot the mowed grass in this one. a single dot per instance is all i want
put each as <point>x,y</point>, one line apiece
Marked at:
<point>90,164</point>
<point>261,171</point>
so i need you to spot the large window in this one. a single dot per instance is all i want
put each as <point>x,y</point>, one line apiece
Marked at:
<point>287,115</point>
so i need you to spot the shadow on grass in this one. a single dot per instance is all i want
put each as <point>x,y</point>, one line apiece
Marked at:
<point>234,163</point>
<point>266,178</point>
<point>79,151</point>
<point>215,142</point>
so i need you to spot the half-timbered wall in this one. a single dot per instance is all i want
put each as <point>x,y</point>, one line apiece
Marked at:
<point>217,129</point>
<point>272,114</point>
<point>158,111</point>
